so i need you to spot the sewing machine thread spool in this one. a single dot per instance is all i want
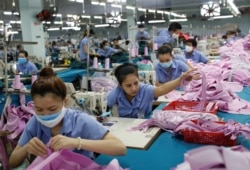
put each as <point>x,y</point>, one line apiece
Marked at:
<point>107,60</point>
<point>155,46</point>
<point>95,62</point>
<point>136,51</point>
<point>17,82</point>
<point>146,51</point>
<point>132,52</point>
<point>33,78</point>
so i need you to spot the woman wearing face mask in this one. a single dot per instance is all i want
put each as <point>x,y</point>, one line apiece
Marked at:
<point>168,68</point>
<point>192,53</point>
<point>168,35</point>
<point>105,50</point>
<point>133,97</point>
<point>64,128</point>
<point>142,38</point>
<point>25,66</point>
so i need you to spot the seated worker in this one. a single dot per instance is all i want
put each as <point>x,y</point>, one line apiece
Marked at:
<point>168,68</point>
<point>117,46</point>
<point>25,66</point>
<point>105,50</point>
<point>142,37</point>
<point>231,37</point>
<point>191,52</point>
<point>177,56</point>
<point>133,97</point>
<point>168,35</point>
<point>65,128</point>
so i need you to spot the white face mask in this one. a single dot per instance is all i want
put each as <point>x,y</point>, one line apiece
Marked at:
<point>188,49</point>
<point>51,120</point>
<point>175,35</point>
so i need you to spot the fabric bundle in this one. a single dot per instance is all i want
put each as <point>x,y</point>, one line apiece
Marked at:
<point>216,158</point>
<point>102,83</point>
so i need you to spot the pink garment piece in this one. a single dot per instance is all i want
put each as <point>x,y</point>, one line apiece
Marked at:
<point>173,95</point>
<point>105,83</point>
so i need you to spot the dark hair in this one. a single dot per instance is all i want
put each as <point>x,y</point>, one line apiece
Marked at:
<point>140,26</point>
<point>224,37</point>
<point>192,41</point>
<point>48,82</point>
<point>164,50</point>
<point>103,43</point>
<point>91,32</point>
<point>168,45</point>
<point>24,52</point>
<point>174,26</point>
<point>53,43</point>
<point>19,46</point>
<point>125,69</point>
<point>115,39</point>
<point>231,32</point>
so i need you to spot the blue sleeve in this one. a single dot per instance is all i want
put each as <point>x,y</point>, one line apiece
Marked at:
<point>184,66</point>
<point>111,97</point>
<point>157,79</point>
<point>28,132</point>
<point>100,52</point>
<point>203,59</point>
<point>181,58</point>
<point>148,92</point>
<point>147,35</point>
<point>91,128</point>
<point>85,41</point>
<point>32,69</point>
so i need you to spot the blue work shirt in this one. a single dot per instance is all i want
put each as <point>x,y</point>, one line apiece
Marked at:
<point>27,68</point>
<point>107,52</point>
<point>197,57</point>
<point>83,55</point>
<point>75,124</point>
<point>142,35</point>
<point>164,75</point>
<point>142,102</point>
<point>179,57</point>
<point>162,37</point>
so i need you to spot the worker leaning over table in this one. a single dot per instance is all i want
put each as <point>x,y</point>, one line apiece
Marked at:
<point>25,66</point>
<point>132,97</point>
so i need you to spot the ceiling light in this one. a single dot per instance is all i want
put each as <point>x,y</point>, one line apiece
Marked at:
<point>116,6</point>
<point>58,22</point>
<point>156,21</point>
<point>151,11</point>
<point>73,28</point>
<point>53,29</point>
<point>85,16</point>
<point>7,13</point>
<point>95,3</point>
<point>222,17</point>
<point>102,25</point>
<point>80,1</point>
<point>178,20</point>
<point>142,9</point>
<point>97,17</point>
<point>139,22</point>
<point>102,4</point>
<point>57,15</point>
<point>130,7</point>
<point>1,22</point>
<point>160,12</point>
<point>16,13</point>
<point>125,20</point>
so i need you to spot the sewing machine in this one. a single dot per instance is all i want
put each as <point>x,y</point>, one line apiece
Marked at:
<point>91,102</point>
<point>147,77</point>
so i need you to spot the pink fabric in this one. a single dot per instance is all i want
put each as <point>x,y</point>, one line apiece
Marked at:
<point>66,159</point>
<point>99,83</point>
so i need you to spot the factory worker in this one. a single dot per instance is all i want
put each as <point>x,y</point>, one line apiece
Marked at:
<point>133,97</point>
<point>65,128</point>
<point>24,66</point>
<point>192,53</point>
<point>168,35</point>
<point>142,37</point>
<point>105,50</point>
<point>168,68</point>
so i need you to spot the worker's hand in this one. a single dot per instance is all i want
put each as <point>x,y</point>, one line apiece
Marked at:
<point>196,76</point>
<point>186,75</point>
<point>63,142</point>
<point>36,147</point>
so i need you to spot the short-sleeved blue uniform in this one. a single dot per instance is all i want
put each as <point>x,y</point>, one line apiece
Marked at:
<point>142,102</point>
<point>83,55</point>
<point>197,57</point>
<point>75,124</point>
<point>162,37</point>
<point>107,52</point>
<point>27,68</point>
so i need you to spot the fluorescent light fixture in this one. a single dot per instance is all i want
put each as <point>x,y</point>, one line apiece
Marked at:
<point>57,15</point>
<point>95,3</point>
<point>70,23</point>
<point>97,17</point>
<point>73,28</point>
<point>102,25</point>
<point>1,22</point>
<point>69,15</point>
<point>7,13</point>
<point>85,16</point>
<point>16,13</point>
<point>18,22</point>
<point>156,21</point>
<point>160,12</point>
<point>166,12</point>
<point>142,9</point>
<point>12,22</point>
<point>1,29</point>
<point>140,22</point>
<point>53,29</point>
<point>222,17</point>
<point>151,11</point>
<point>178,20</point>
<point>116,6</point>
<point>130,7</point>
<point>13,32</point>
<point>102,4</point>
<point>58,22</point>
<point>125,20</point>
<point>80,1</point>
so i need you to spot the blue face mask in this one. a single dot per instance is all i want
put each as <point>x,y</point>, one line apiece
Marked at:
<point>49,117</point>
<point>22,60</point>
<point>167,64</point>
